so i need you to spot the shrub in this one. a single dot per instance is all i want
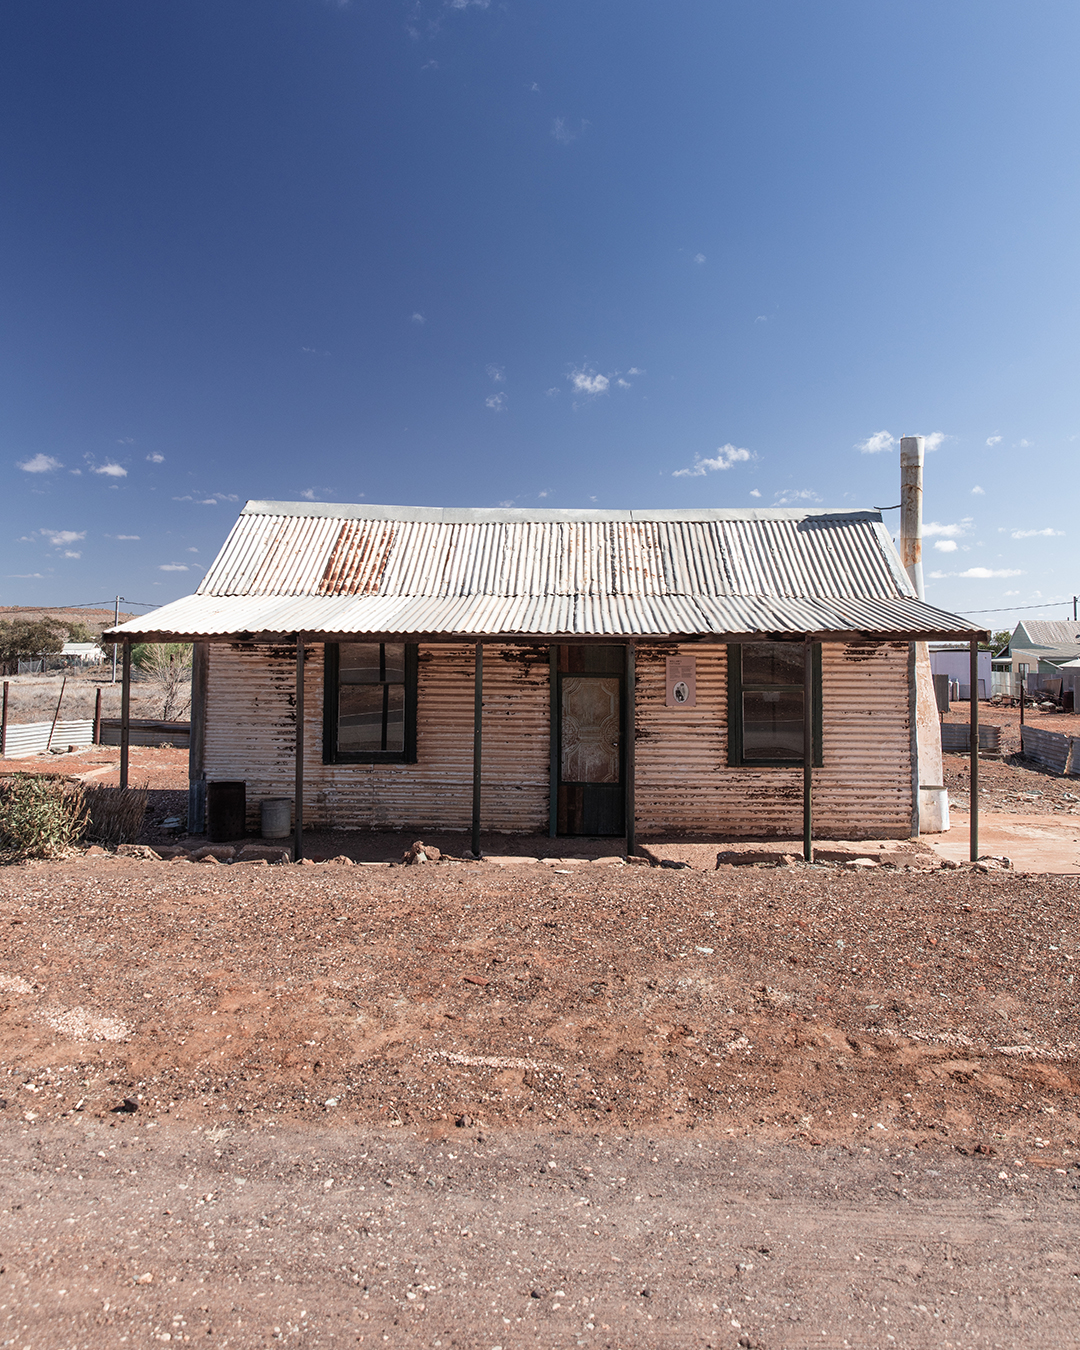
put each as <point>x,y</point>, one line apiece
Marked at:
<point>115,814</point>
<point>39,817</point>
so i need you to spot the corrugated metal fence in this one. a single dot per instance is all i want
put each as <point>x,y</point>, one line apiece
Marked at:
<point>1052,749</point>
<point>32,738</point>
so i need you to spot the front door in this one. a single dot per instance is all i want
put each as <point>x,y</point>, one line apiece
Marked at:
<point>591,789</point>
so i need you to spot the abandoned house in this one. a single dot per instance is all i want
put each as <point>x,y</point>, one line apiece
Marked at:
<point>716,672</point>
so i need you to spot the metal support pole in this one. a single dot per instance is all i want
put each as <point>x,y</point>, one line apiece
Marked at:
<point>974,733</point>
<point>200,667</point>
<point>298,781</point>
<point>3,725</point>
<point>125,714</point>
<point>553,745</point>
<point>478,721</point>
<point>97,717</point>
<point>808,752</point>
<point>628,758</point>
<point>56,715</point>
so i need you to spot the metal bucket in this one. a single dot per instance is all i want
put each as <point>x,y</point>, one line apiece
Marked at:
<point>276,817</point>
<point>226,811</point>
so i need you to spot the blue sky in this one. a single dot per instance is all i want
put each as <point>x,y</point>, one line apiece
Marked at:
<point>572,253</point>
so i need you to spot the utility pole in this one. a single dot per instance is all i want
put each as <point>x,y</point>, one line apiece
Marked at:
<point>116,620</point>
<point>1075,598</point>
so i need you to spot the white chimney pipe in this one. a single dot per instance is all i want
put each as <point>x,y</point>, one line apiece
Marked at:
<point>911,466</point>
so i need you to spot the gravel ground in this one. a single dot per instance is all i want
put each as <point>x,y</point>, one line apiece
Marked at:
<point>472,1105</point>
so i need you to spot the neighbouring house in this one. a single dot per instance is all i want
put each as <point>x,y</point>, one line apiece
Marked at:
<point>81,654</point>
<point>578,672</point>
<point>1043,646</point>
<point>955,663</point>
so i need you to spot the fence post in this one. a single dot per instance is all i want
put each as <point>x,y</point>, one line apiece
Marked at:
<point>3,725</point>
<point>97,718</point>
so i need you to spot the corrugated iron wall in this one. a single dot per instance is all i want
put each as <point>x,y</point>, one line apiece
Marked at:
<point>684,783</point>
<point>250,729</point>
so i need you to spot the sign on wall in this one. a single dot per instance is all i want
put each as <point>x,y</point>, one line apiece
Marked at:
<point>681,682</point>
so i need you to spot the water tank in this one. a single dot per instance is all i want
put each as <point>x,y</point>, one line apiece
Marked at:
<point>226,811</point>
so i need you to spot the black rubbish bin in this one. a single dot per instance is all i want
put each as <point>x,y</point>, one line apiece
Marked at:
<point>226,811</point>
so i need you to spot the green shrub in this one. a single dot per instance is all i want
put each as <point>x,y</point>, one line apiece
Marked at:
<point>39,817</point>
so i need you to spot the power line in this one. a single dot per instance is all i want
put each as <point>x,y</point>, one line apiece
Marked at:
<point>1001,609</point>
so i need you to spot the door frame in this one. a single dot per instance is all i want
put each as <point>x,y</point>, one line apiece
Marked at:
<point>626,678</point>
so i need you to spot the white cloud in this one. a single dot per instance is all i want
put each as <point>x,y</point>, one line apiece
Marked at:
<point>946,545</point>
<point>985,573</point>
<point>26,576</point>
<point>468,4</point>
<point>762,318</point>
<point>553,392</point>
<point>308,494</point>
<point>623,384</point>
<point>1036,534</point>
<point>72,553</point>
<point>564,133</point>
<point>193,550</point>
<point>497,373</point>
<point>418,318</point>
<point>993,440</point>
<point>155,458</point>
<point>699,257</point>
<point>497,402</point>
<point>725,457</point>
<point>977,491</point>
<point>934,439</point>
<point>40,463</point>
<point>588,382</point>
<point>506,506</point>
<point>877,443</point>
<point>792,495</point>
<point>1025,445</point>
<point>754,492</point>
<point>954,531</point>
<point>126,440</point>
<point>634,371</point>
<point>546,493</point>
<point>172,567</point>
<point>109,469</point>
<point>58,538</point>
<point>124,536</point>
<point>211,500</point>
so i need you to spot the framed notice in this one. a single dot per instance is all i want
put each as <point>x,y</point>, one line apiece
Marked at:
<point>681,682</point>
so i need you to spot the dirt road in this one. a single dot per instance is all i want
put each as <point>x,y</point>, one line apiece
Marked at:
<point>127,1233</point>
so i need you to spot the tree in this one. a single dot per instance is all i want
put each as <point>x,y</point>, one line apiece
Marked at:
<point>25,639</point>
<point>998,640</point>
<point>81,632</point>
<point>168,665</point>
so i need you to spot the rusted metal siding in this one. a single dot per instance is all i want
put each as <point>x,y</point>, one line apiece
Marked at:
<point>685,784</point>
<point>250,731</point>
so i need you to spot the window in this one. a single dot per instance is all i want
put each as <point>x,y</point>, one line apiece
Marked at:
<point>765,702</point>
<point>370,709</point>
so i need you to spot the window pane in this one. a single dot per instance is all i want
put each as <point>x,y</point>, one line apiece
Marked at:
<point>360,717</point>
<point>772,725</point>
<point>394,659</point>
<point>395,718</point>
<point>772,663</point>
<point>359,663</point>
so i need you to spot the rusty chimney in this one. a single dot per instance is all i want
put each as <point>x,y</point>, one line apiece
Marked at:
<point>912,449</point>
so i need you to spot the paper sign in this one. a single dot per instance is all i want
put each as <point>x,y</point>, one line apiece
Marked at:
<point>681,682</point>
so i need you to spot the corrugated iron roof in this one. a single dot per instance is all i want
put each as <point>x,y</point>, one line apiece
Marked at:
<point>319,568</point>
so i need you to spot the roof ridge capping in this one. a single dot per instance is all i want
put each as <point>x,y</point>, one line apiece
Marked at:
<point>453,515</point>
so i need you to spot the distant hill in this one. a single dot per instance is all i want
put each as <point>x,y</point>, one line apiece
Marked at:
<point>63,615</point>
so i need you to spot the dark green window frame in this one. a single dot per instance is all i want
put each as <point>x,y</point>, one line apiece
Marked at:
<point>736,689</point>
<point>331,700</point>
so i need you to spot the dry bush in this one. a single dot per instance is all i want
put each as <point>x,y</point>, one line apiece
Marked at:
<point>115,814</point>
<point>40,817</point>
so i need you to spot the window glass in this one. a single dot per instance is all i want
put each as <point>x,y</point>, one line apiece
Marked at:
<point>772,724</point>
<point>772,663</point>
<point>371,698</point>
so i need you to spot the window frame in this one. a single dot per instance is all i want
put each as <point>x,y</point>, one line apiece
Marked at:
<point>736,687</point>
<point>331,687</point>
